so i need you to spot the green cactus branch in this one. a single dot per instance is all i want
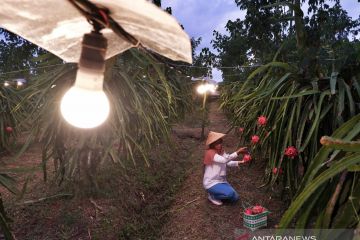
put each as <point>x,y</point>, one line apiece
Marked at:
<point>339,144</point>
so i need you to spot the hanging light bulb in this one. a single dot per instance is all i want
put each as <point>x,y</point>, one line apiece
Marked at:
<point>85,105</point>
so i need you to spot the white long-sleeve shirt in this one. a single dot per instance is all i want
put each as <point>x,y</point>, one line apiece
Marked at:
<point>216,173</point>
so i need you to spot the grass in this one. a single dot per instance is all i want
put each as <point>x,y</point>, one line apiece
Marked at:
<point>147,194</point>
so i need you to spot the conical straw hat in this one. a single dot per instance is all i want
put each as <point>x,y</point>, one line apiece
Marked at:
<point>213,136</point>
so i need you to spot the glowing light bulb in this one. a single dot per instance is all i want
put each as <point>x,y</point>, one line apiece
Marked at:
<point>207,87</point>
<point>85,105</point>
<point>83,108</point>
<point>201,89</point>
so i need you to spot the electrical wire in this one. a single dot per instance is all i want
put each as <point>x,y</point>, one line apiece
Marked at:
<point>99,17</point>
<point>162,63</point>
<point>33,68</point>
<point>47,66</point>
<point>237,67</point>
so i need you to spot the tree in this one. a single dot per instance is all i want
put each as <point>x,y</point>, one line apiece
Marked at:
<point>252,40</point>
<point>269,25</point>
<point>16,55</point>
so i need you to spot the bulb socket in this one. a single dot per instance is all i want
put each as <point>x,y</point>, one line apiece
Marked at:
<point>93,52</point>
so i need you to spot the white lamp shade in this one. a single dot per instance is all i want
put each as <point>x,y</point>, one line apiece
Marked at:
<point>58,27</point>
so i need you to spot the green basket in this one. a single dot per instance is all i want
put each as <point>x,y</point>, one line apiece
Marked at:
<point>255,221</point>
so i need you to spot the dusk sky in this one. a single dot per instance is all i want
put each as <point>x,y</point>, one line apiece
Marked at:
<point>201,17</point>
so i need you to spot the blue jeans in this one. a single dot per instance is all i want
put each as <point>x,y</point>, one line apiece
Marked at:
<point>223,191</point>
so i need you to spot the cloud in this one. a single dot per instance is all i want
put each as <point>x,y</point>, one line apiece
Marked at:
<point>352,7</point>
<point>201,17</point>
<point>233,15</point>
<point>217,75</point>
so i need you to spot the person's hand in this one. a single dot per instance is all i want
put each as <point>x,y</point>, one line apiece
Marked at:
<point>242,150</point>
<point>243,162</point>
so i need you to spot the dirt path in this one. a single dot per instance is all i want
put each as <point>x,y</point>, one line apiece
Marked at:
<point>192,216</point>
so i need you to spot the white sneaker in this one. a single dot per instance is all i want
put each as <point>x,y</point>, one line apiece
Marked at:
<point>214,201</point>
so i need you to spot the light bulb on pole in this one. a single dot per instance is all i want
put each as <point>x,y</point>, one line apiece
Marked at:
<point>85,105</point>
<point>202,89</point>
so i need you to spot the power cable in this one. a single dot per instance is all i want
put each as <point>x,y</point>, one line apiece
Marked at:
<point>33,68</point>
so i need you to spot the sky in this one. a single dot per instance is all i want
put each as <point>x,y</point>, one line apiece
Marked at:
<point>201,17</point>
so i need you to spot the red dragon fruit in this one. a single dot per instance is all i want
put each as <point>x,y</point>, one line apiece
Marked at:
<point>255,139</point>
<point>247,157</point>
<point>291,152</point>
<point>262,120</point>
<point>276,170</point>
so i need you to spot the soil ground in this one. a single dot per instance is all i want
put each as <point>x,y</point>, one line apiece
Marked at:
<point>165,201</point>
